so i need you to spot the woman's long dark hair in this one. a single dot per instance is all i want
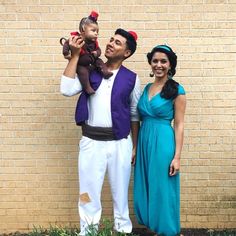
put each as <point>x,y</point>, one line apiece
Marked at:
<point>170,88</point>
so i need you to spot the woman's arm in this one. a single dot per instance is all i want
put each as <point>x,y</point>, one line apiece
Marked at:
<point>180,106</point>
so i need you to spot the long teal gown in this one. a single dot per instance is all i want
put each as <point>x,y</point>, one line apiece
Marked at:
<point>156,194</point>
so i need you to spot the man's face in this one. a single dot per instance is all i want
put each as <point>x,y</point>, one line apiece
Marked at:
<point>117,48</point>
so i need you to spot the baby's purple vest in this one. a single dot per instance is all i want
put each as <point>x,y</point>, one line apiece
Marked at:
<point>120,101</point>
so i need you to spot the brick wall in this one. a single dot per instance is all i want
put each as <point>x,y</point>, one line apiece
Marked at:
<point>38,137</point>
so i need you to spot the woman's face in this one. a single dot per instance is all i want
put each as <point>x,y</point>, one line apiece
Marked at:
<point>160,65</point>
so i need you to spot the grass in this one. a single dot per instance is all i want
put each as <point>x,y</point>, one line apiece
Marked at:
<point>104,229</point>
<point>54,231</point>
<point>222,233</point>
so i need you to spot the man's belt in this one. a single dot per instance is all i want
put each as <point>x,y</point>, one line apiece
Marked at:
<point>98,133</point>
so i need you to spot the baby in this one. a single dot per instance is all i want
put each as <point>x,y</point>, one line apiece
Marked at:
<point>90,52</point>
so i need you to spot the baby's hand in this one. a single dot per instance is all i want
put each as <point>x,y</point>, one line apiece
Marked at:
<point>94,53</point>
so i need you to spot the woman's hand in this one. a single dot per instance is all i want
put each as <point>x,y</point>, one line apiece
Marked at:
<point>174,166</point>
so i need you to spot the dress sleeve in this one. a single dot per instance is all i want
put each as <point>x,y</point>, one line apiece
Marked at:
<point>181,90</point>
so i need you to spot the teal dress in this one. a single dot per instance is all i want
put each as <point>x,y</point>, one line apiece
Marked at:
<point>156,194</point>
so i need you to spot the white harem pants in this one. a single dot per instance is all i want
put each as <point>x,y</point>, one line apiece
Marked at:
<point>95,158</point>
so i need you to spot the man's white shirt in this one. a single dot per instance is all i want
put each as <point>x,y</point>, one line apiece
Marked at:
<point>99,104</point>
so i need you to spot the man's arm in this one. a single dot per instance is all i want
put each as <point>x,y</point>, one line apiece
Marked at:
<point>69,86</point>
<point>75,43</point>
<point>134,98</point>
<point>134,130</point>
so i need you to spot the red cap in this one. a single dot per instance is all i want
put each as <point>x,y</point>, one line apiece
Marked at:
<point>135,36</point>
<point>75,33</point>
<point>94,15</point>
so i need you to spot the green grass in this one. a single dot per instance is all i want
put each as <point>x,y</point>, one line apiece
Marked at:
<point>222,233</point>
<point>54,231</point>
<point>104,229</point>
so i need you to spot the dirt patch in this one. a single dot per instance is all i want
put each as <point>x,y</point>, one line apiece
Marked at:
<point>191,232</point>
<point>145,232</point>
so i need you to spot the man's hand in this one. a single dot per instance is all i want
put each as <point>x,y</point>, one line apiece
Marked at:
<point>133,160</point>
<point>75,43</point>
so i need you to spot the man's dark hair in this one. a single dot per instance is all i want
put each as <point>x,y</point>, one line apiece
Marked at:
<point>131,40</point>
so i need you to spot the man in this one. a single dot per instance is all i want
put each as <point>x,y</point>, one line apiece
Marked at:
<point>106,118</point>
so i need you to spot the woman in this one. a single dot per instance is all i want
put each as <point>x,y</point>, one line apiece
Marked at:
<point>156,175</point>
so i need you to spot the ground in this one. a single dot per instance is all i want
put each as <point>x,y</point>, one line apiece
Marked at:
<point>144,232</point>
<point>192,232</point>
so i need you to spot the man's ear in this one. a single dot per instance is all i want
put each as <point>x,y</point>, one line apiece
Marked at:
<point>127,53</point>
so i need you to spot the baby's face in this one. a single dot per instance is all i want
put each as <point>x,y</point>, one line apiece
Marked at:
<point>91,32</point>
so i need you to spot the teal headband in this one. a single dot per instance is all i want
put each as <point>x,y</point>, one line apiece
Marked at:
<point>163,47</point>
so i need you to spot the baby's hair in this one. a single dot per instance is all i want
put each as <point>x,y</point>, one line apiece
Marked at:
<point>84,22</point>
<point>91,19</point>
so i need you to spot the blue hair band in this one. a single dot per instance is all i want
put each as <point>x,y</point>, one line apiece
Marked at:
<point>163,47</point>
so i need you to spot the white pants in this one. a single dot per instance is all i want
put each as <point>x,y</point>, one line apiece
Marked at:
<point>95,158</point>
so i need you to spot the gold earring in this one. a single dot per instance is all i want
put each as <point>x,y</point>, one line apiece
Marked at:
<point>170,75</point>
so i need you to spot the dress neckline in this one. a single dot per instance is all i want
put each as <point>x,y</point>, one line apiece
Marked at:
<point>152,97</point>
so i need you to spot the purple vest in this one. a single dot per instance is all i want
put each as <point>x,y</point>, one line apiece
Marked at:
<point>120,101</point>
